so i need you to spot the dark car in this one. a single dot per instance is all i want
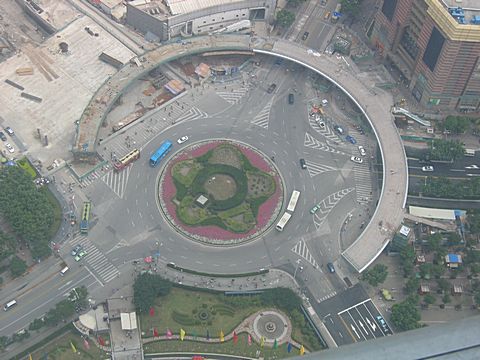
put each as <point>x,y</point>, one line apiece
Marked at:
<point>2,136</point>
<point>291,99</point>
<point>278,61</point>
<point>305,35</point>
<point>331,268</point>
<point>271,88</point>
<point>303,164</point>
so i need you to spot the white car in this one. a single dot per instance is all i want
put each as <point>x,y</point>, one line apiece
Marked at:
<point>322,125</point>
<point>427,168</point>
<point>356,159</point>
<point>362,151</point>
<point>9,147</point>
<point>182,139</point>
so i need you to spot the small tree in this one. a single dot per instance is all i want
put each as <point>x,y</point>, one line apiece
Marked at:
<point>17,266</point>
<point>405,315</point>
<point>434,242</point>
<point>285,18</point>
<point>446,298</point>
<point>376,275</point>
<point>429,299</point>
<point>412,285</point>
<point>443,285</point>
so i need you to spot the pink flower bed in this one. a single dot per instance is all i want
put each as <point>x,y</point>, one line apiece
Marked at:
<point>213,232</point>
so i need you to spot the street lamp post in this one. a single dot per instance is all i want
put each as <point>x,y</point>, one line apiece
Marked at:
<point>296,268</point>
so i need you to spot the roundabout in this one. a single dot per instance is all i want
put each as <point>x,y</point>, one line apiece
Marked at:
<point>220,192</point>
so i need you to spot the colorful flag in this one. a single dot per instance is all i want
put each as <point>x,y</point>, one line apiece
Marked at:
<point>222,337</point>
<point>30,357</point>
<point>74,349</point>
<point>262,341</point>
<point>235,337</point>
<point>182,334</point>
<point>155,332</point>
<point>208,335</point>
<point>249,340</point>
<point>302,350</point>
<point>169,334</point>
<point>275,345</point>
<point>152,311</point>
<point>86,344</point>
<point>101,341</point>
<point>289,348</point>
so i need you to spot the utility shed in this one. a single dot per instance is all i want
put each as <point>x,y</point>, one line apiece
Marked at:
<point>453,260</point>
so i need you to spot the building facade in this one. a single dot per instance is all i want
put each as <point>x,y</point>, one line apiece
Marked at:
<point>167,19</point>
<point>436,47</point>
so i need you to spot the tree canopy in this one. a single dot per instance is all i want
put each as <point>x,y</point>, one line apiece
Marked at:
<point>405,315</point>
<point>457,124</point>
<point>285,18</point>
<point>282,297</point>
<point>446,150</point>
<point>147,288</point>
<point>27,209</point>
<point>351,7</point>
<point>375,275</point>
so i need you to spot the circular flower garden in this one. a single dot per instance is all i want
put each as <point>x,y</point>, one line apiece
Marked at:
<point>220,192</point>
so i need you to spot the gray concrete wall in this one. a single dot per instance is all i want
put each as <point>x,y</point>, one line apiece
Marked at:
<point>145,22</point>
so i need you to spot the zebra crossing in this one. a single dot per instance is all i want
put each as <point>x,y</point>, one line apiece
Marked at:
<point>363,176</point>
<point>315,169</point>
<point>327,205</point>
<point>97,261</point>
<point>234,96</point>
<point>328,296</point>
<point>117,181</point>
<point>313,143</point>
<point>325,131</point>
<point>192,114</point>
<point>94,176</point>
<point>262,118</point>
<point>301,250</point>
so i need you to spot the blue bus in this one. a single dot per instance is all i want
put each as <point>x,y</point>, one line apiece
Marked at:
<point>160,153</point>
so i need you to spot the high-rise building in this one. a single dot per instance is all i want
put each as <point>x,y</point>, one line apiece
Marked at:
<point>435,44</point>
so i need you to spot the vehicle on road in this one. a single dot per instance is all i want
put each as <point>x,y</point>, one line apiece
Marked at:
<point>338,129</point>
<point>80,255</point>
<point>336,13</point>
<point>427,168</point>
<point>9,305</point>
<point>351,139</point>
<point>126,160</point>
<point>64,270</point>
<point>305,35</point>
<point>182,139</point>
<point>162,151</point>
<point>361,150</point>
<point>322,125</point>
<point>303,164</point>
<point>283,221</point>
<point>292,204</point>
<point>356,159</point>
<point>382,322</point>
<point>2,136</point>
<point>278,61</point>
<point>76,250</point>
<point>291,99</point>
<point>271,88</point>
<point>330,268</point>
<point>469,152</point>
<point>314,209</point>
<point>84,223</point>
<point>327,15</point>
<point>9,147</point>
<point>9,130</point>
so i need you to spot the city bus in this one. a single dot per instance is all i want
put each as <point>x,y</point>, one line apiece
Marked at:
<point>85,217</point>
<point>283,221</point>
<point>336,14</point>
<point>469,152</point>
<point>160,153</point>
<point>293,201</point>
<point>126,160</point>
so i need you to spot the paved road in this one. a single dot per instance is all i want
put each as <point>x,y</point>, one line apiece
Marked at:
<point>465,167</point>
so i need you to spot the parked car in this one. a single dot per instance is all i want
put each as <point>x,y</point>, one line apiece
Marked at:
<point>271,88</point>
<point>9,147</point>
<point>80,255</point>
<point>356,159</point>
<point>76,250</point>
<point>182,139</point>
<point>338,129</point>
<point>331,268</point>
<point>2,136</point>
<point>427,168</point>
<point>303,164</point>
<point>322,125</point>
<point>361,150</point>
<point>9,130</point>
<point>291,99</point>
<point>305,35</point>
<point>314,209</point>
<point>351,139</point>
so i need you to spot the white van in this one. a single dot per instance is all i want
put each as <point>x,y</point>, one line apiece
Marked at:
<point>9,305</point>
<point>64,270</point>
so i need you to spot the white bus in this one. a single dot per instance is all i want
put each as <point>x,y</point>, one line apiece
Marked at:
<point>293,201</point>
<point>9,305</point>
<point>469,152</point>
<point>283,221</point>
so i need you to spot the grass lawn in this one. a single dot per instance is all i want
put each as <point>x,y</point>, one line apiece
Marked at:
<point>25,165</point>
<point>57,213</point>
<point>241,348</point>
<point>186,302</point>
<point>60,349</point>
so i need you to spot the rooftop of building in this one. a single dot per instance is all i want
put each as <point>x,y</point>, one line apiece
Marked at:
<point>167,8</point>
<point>464,11</point>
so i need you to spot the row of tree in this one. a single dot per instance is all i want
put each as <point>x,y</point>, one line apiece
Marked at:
<point>442,187</point>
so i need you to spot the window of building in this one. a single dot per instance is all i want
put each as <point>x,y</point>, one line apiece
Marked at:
<point>388,8</point>
<point>434,48</point>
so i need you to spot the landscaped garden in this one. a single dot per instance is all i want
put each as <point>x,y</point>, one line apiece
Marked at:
<point>221,190</point>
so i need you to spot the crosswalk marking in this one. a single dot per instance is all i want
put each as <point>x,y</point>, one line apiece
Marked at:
<point>328,296</point>
<point>234,96</point>
<point>192,114</point>
<point>316,169</point>
<point>327,205</point>
<point>262,118</point>
<point>326,131</point>
<point>96,259</point>
<point>301,249</point>
<point>117,181</point>
<point>313,143</point>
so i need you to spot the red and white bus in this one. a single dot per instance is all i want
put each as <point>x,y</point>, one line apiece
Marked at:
<point>126,160</point>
